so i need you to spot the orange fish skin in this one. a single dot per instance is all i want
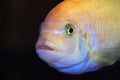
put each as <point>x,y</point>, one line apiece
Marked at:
<point>97,30</point>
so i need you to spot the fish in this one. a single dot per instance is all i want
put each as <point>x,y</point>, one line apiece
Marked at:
<point>80,36</point>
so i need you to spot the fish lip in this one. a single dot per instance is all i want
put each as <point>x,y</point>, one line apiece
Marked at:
<point>46,46</point>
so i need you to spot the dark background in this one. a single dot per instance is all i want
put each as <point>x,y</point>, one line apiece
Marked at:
<point>19,27</point>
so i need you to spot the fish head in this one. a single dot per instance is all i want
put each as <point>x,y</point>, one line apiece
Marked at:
<point>58,42</point>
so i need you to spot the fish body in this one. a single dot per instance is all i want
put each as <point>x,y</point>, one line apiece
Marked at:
<point>80,36</point>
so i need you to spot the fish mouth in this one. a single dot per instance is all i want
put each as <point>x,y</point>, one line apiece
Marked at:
<point>45,45</point>
<point>48,51</point>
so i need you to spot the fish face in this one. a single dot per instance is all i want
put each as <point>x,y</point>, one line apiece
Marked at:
<point>59,40</point>
<point>58,45</point>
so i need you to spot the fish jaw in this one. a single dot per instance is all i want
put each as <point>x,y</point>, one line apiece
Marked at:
<point>48,52</point>
<point>51,54</point>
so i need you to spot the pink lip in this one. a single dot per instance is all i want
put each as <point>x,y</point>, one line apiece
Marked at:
<point>46,45</point>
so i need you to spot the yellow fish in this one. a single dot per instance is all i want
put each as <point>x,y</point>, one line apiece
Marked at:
<point>80,36</point>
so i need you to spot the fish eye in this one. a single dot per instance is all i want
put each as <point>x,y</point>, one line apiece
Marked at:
<point>69,29</point>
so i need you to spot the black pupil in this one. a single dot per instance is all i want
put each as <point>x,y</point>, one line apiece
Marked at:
<point>70,30</point>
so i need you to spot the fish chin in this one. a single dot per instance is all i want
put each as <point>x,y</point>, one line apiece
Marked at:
<point>81,68</point>
<point>49,55</point>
